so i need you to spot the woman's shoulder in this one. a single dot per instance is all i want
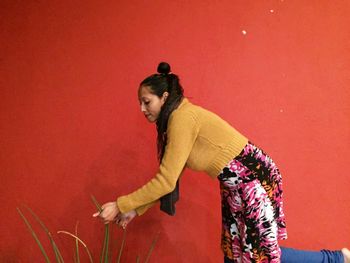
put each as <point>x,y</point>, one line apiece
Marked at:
<point>186,113</point>
<point>200,114</point>
<point>184,118</point>
<point>186,109</point>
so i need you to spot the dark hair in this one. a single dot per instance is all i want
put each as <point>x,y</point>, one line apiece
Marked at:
<point>165,81</point>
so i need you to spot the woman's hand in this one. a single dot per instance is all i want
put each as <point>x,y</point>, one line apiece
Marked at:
<point>124,219</point>
<point>109,212</point>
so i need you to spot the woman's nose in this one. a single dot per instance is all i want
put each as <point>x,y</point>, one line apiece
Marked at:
<point>143,108</point>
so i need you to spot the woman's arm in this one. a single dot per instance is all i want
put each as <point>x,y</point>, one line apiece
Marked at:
<point>181,135</point>
<point>142,209</point>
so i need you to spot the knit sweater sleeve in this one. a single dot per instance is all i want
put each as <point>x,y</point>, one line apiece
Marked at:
<point>142,209</point>
<point>181,134</point>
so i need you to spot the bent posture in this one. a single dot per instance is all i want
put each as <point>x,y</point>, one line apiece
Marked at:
<point>251,185</point>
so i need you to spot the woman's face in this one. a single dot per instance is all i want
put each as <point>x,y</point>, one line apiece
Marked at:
<point>151,104</point>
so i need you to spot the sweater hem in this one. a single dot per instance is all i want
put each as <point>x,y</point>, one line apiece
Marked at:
<point>233,149</point>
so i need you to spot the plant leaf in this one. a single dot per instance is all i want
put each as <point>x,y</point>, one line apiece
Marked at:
<point>77,243</point>
<point>79,240</point>
<point>98,206</point>
<point>58,255</point>
<point>105,247</point>
<point>106,244</point>
<point>152,247</point>
<point>34,235</point>
<point>121,246</point>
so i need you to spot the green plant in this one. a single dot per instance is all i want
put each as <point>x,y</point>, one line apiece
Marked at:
<point>105,246</point>
<point>105,256</point>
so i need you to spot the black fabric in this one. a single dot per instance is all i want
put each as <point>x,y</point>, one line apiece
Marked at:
<point>167,202</point>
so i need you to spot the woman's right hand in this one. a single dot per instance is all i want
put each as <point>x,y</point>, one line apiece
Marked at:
<point>109,212</point>
<point>124,219</point>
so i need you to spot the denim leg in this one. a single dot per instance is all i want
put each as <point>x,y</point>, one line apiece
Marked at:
<point>290,255</point>
<point>333,256</point>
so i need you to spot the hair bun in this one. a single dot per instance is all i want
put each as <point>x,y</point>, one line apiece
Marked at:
<point>163,68</point>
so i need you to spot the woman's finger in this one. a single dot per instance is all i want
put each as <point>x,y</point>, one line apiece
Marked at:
<point>124,224</point>
<point>96,214</point>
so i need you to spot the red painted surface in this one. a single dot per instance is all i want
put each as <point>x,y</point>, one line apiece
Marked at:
<point>71,126</point>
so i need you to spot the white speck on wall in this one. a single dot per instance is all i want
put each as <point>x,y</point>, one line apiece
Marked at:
<point>281,110</point>
<point>244,32</point>
<point>271,10</point>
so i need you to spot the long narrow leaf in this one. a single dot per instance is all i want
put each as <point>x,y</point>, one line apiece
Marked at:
<point>79,240</point>
<point>58,255</point>
<point>121,247</point>
<point>98,206</point>
<point>77,243</point>
<point>105,247</point>
<point>152,247</point>
<point>106,244</point>
<point>99,209</point>
<point>34,235</point>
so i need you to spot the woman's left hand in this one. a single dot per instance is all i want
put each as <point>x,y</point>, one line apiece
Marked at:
<point>109,212</point>
<point>124,219</point>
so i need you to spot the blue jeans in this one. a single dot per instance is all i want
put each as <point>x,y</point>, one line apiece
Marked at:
<point>290,255</point>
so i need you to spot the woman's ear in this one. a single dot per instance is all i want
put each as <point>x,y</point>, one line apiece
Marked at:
<point>165,96</point>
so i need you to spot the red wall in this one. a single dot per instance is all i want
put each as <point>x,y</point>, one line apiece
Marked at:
<point>71,125</point>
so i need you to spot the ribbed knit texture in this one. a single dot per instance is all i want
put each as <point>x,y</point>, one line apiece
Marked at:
<point>197,139</point>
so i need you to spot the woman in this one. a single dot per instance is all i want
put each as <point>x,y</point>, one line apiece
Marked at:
<point>251,186</point>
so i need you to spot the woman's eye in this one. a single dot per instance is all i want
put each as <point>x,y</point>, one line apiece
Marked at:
<point>146,102</point>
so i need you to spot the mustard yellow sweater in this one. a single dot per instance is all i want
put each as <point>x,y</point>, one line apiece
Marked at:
<point>197,139</point>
